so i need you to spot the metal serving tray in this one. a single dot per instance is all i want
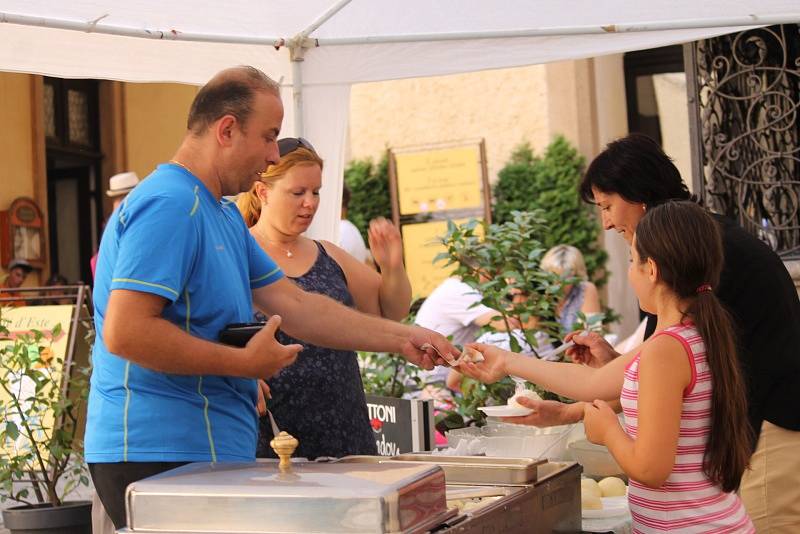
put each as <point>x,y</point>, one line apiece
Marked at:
<point>551,504</point>
<point>363,498</point>
<point>468,469</point>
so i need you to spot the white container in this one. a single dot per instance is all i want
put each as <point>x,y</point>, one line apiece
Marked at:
<point>457,434</point>
<point>595,459</point>
<point>529,442</point>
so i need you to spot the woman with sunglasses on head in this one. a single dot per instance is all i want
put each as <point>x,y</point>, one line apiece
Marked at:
<point>278,209</point>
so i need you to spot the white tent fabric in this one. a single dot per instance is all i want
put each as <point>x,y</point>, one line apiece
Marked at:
<point>346,41</point>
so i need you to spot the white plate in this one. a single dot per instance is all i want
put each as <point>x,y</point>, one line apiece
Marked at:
<point>612,507</point>
<point>505,411</point>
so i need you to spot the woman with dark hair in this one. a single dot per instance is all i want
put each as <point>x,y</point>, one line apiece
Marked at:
<point>684,444</point>
<point>633,175</point>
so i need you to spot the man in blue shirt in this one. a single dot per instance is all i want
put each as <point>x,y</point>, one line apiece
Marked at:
<point>176,265</point>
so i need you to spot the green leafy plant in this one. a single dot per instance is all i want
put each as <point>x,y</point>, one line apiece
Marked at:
<point>387,374</point>
<point>501,262</point>
<point>369,192</point>
<point>40,452</point>
<point>550,184</point>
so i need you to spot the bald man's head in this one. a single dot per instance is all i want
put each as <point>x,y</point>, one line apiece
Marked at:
<point>229,92</point>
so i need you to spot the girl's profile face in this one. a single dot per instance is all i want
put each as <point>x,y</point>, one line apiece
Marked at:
<point>640,276</point>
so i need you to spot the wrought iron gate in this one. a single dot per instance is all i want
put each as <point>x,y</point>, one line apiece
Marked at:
<point>744,94</point>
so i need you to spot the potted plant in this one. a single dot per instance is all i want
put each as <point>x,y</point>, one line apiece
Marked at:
<point>40,451</point>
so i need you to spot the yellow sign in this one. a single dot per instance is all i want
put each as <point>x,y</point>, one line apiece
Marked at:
<point>420,246</point>
<point>438,180</point>
<point>21,321</point>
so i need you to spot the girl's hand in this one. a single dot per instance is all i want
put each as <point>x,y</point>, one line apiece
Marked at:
<point>385,244</point>
<point>598,419</point>
<point>491,369</point>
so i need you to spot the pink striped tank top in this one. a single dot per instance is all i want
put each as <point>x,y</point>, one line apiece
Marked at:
<point>688,502</point>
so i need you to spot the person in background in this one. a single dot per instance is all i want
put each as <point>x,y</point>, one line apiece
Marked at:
<point>454,309</point>
<point>55,280</point>
<point>278,209</point>
<point>350,239</point>
<point>684,445</point>
<point>119,186</point>
<point>567,262</point>
<point>18,271</point>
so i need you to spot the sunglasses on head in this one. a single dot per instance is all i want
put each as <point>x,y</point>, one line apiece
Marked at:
<point>288,145</point>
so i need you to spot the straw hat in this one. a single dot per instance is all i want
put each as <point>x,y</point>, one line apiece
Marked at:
<point>122,184</point>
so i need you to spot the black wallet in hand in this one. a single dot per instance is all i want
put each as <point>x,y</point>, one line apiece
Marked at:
<point>238,334</point>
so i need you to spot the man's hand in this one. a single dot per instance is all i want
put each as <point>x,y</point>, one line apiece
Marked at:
<point>263,395</point>
<point>546,413</point>
<point>598,419</point>
<point>491,369</point>
<point>590,349</point>
<point>264,356</point>
<point>429,358</point>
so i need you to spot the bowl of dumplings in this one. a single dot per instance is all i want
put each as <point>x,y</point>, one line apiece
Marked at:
<point>606,498</point>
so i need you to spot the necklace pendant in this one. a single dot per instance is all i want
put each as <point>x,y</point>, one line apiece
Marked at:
<point>289,254</point>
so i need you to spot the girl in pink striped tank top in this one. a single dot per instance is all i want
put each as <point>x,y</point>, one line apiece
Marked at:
<point>686,440</point>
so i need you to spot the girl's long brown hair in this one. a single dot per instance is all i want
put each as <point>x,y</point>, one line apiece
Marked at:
<point>249,203</point>
<point>685,243</point>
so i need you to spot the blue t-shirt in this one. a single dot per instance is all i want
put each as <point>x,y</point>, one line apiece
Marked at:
<point>172,238</point>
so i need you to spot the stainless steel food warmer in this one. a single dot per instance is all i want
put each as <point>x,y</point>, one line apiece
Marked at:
<point>406,494</point>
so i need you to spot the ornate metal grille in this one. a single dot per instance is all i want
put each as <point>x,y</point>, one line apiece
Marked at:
<point>746,93</point>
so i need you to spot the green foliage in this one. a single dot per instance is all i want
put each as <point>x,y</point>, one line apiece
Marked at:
<point>501,261</point>
<point>550,184</point>
<point>387,374</point>
<point>474,394</point>
<point>369,192</point>
<point>39,407</point>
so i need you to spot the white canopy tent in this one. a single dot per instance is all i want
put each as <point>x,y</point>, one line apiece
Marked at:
<point>318,48</point>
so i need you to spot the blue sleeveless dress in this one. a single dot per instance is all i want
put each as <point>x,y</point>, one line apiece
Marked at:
<point>573,303</point>
<point>320,398</point>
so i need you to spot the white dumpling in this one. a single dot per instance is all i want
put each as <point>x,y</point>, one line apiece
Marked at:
<point>589,487</point>
<point>612,487</point>
<point>530,394</point>
<point>591,502</point>
<point>471,355</point>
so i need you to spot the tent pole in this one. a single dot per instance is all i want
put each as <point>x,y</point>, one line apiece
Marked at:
<point>325,17</point>
<point>172,34</point>
<point>297,94</point>
<point>297,48</point>
<point>734,23</point>
<point>94,26</point>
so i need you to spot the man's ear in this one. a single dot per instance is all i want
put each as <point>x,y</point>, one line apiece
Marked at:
<point>224,130</point>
